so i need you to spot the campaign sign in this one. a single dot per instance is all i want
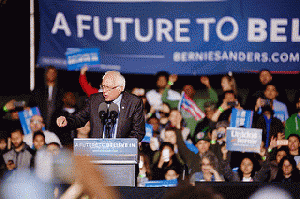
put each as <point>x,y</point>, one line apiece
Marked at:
<point>78,57</point>
<point>25,117</point>
<point>243,139</point>
<point>120,149</point>
<point>161,183</point>
<point>241,118</point>
<point>149,133</point>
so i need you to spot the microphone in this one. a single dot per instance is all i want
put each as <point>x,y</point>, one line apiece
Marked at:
<point>113,112</point>
<point>102,110</point>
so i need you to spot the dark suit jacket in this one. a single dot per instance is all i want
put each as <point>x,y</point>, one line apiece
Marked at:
<point>131,122</point>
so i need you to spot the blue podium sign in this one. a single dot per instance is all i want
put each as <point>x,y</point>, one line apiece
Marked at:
<point>122,149</point>
<point>243,139</point>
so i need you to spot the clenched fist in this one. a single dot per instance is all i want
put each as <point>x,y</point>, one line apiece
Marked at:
<point>61,121</point>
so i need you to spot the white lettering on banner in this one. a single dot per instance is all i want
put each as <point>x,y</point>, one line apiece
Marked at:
<point>81,26</point>
<point>61,23</point>
<point>138,34</point>
<point>235,30</point>
<point>123,26</point>
<point>276,30</point>
<point>235,56</point>
<point>162,29</point>
<point>295,30</point>
<point>257,30</point>
<point>179,30</point>
<point>206,22</point>
<point>244,134</point>
<point>109,29</point>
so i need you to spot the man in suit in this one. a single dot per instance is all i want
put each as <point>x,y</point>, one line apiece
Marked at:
<point>130,122</point>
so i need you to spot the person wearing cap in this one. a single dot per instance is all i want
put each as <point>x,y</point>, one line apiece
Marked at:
<point>193,160</point>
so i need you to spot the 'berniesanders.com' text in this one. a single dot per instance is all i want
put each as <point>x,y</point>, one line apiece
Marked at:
<point>235,56</point>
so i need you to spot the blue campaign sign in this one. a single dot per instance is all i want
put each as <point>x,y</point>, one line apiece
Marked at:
<point>182,37</point>
<point>107,149</point>
<point>243,139</point>
<point>149,133</point>
<point>162,183</point>
<point>25,117</point>
<point>241,118</point>
<point>78,57</point>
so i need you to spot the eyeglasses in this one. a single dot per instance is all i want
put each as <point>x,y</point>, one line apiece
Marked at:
<point>102,87</point>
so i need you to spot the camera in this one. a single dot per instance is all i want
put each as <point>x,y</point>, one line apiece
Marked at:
<point>232,104</point>
<point>220,134</point>
<point>18,104</point>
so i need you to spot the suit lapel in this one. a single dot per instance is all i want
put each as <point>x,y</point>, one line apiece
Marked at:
<point>123,109</point>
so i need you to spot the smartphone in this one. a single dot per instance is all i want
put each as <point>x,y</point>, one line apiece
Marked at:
<point>166,155</point>
<point>19,104</point>
<point>232,104</point>
<point>282,142</point>
<point>220,134</point>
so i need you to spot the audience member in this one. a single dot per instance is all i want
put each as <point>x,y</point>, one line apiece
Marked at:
<point>294,144</point>
<point>228,83</point>
<point>270,98</point>
<point>288,172</point>
<point>69,107</point>
<point>209,170</point>
<point>85,85</point>
<point>37,124</point>
<point>154,96</point>
<point>248,171</point>
<point>292,125</point>
<point>199,99</point>
<point>145,173</point>
<point>167,158</point>
<point>172,173</point>
<point>270,125</point>
<point>227,103</point>
<point>47,97</point>
<point>21,156</point>
<point>38,140</point>
<point>280,153</point>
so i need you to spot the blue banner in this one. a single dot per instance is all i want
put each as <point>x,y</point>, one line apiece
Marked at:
<point>243,139</point>
<point>241,118</point>
<point>182,37</point>
<point>25,117</point>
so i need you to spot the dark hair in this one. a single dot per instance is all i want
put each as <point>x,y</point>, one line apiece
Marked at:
<point>162,146</point>
<point>162,73</point>
<point>294,135</point>
<point>280,175</point>
<point>255,163</point>
<point>38,133</point>
<point>212,159</point>
<point>17,130</point>
<point>267,108</point>
<point>262,70</point>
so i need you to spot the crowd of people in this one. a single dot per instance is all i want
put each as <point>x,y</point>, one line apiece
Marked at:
<point>181,146</point>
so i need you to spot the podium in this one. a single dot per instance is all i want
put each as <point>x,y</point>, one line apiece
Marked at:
<point>116,158</point>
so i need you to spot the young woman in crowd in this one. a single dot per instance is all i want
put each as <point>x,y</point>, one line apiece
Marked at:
<point>288,172</point>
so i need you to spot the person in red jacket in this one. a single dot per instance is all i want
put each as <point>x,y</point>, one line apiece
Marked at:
<point>86,87</point>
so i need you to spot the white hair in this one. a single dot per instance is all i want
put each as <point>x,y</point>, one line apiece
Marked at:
<point>120,79</point>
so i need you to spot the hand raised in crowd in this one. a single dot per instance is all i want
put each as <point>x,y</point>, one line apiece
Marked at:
<point>10,105</point>
<point>273,142</point>
<point>224,152</point>
<point>205,81</point>
<point>61,121</point>
<point>173,78</point>
<point>84,69</point>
